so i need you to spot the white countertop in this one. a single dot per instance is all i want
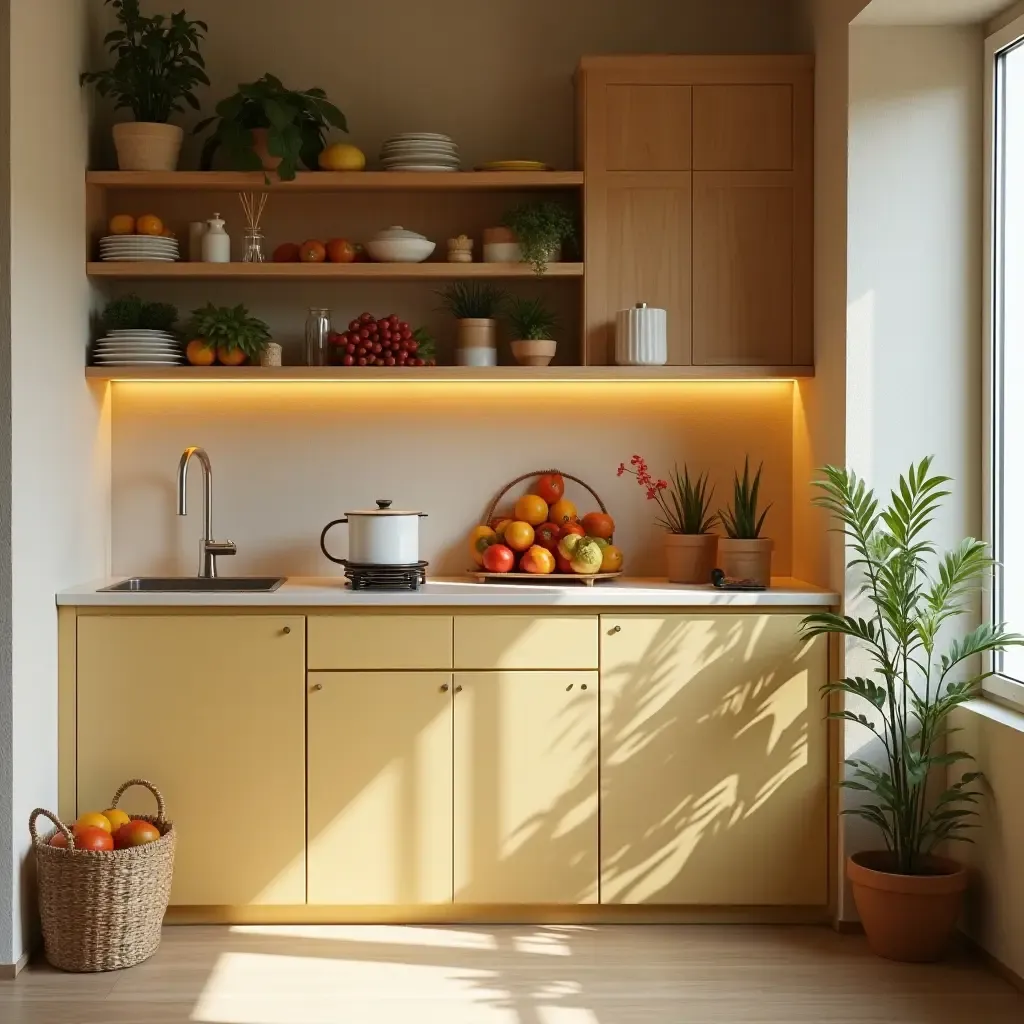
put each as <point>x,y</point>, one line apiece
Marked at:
<point>330,592</point>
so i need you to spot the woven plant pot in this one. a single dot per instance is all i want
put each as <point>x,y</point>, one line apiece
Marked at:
<point>102,911</point>
<point>147,146</point>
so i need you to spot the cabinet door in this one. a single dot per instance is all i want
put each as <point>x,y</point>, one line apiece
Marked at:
<point>211,710</point>
<point>714,775</point>
<point>743,127</point>
<point>647,127</point>
<point>526,820</point>
<point>638,250</point>
<point>380,788</point>
<point>750,271</point>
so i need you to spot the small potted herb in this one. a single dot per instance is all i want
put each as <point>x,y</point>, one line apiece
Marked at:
<point>265,126</point>
<point>744,554</point>
<point>156,68</point>
<point>686,517</point>
<point>130,313</point>
<point>541,229</point>
<point>226,334</point>
<point>532,325</point>
<point>475,305</point>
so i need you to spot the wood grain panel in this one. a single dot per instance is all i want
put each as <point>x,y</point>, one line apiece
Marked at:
<point>526,817</point>
<point>743,127</point>
<point>648,128</point>
<point>717,720</point>
<point>743,238</point>
<point>380,788</point>
<point>211,709</point>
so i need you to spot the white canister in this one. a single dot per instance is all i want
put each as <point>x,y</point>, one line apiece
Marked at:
<point>476,357</point>
<point>196,231</point>
<point>641,336</point>
<point>380,536</point>
<point>216,241</point>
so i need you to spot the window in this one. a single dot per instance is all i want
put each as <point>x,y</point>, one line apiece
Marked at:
<point>1004,333</point>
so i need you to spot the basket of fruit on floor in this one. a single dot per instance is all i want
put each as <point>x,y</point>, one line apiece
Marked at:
<point>104,884</point>
<point>544,537</point>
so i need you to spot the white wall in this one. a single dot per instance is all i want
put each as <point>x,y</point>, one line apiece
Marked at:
<point>59,477</point>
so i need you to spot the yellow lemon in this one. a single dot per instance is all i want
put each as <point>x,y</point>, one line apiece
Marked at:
<point>122,224</point>
<point>93,819</point>
<point>116,817</point>
<point>342,157</point>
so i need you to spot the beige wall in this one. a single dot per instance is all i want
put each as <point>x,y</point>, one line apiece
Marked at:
<point>1004,18</point>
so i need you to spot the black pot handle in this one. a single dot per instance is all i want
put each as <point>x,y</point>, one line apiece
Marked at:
<point>323,546</point>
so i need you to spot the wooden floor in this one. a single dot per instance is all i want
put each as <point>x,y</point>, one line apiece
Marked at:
<point>515,975</point>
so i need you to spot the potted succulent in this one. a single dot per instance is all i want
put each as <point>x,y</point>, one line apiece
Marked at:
<point>532,325</point>
<point>225,334</point>
<point>686,516</point>
<point>908,896</point>
<point>157,66</point>
<point>743,553</point>
<point>540,229</point>
<point>475,305</point>
<point>265,126</point>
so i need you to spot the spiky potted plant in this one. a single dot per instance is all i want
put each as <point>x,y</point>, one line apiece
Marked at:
<point>743,553</point>
<point>475,305</point>
<point>533,324</point>
<point>908,896</point>
<point>225,334</point>
<point>156,68</point>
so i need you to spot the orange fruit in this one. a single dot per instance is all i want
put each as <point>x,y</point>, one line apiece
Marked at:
<point>519,535</point>
<point>611,561</point>
<point>563,511</point>
<point>122,224</point>
<point>149,224</point>
<point>538,560</point>
<point>532,509</point>
<point>340,250</point>
<point>116,817</point>
<point>93,819</point>
<point>231,356</point>
<point>198,353</point>
<point>286,252</point>
<point>480,539</point>
<point>312,251</point>
<point>599,524</point>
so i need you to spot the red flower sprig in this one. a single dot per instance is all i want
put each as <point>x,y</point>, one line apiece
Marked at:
<point>643,477</point>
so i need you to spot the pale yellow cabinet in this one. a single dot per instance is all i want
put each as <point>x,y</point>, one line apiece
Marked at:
<point>526,787</point>
<point>713,761</point>
<point>380,787</point>
<point>211,708</point>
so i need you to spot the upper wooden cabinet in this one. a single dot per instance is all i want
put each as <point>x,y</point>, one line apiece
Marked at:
<point>699,199</point>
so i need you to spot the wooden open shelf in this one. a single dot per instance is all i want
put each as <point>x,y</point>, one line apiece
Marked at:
<point>559,374</point>
<point>324,271</point>
<point>337,181</point>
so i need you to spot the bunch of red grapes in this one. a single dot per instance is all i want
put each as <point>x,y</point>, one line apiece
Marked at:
<point>369,342</point>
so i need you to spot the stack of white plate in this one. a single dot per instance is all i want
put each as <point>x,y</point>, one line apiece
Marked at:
<point>419,151</point>
<point>138,249</point>
<point>138,348</point>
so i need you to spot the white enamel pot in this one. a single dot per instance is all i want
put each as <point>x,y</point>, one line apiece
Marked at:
<point>380,536</point>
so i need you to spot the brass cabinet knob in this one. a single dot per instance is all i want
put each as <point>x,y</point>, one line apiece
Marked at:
<point>614,629</point>
<point>568,688</point>
<point>286,630</point>
<point>444,687</point>
<point>318,686</point>
<point>583,686</point>
<point>458,689</point>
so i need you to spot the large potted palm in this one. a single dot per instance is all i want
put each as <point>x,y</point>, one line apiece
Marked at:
<point>156,68</point>
<point>908,894</point>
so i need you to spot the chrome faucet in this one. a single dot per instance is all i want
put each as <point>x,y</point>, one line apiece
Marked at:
<point>209,548</point>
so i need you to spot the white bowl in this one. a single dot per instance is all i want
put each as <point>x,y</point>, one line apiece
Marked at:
<point>396,245</point>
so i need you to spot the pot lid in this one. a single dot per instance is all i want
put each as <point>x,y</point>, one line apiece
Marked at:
<point>396,233</point>
<point>383,509</point>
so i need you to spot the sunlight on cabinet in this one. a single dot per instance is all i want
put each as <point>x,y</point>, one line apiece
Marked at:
<point>717,721</point>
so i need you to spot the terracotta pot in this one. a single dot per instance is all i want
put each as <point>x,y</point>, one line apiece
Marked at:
<point>907,917</point>
<point>534,352</point>
<point>690,557</point>
<point>259,147</point>
<point>478,333</point>
<point>746,559</point>
<point>147,146</point>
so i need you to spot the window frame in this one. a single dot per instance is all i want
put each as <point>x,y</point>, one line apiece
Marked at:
<point>1002,688</point>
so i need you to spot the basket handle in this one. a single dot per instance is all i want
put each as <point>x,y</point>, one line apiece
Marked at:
<point>53,817</point>
<point>160,809</point>
<point>539,472</point>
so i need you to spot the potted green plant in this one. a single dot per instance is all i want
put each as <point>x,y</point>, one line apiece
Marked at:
<point>130,313</point>
<point>743,553</point>
<point>908,896</point>
<point>532,325</point>
<point>156,68</point>
<point>540,229</point>
<point>686,517</point>
<point>475,305</point>
<point>267,126</point>
<point>225,334</point>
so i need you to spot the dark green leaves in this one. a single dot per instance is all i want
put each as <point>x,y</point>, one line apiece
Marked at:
<point>230,328</point>
<point>741,520</point>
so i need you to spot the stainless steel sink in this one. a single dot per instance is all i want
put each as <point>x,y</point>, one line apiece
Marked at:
<point>196,585</point>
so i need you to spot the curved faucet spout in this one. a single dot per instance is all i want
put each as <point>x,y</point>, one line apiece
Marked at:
<point>209,548</point>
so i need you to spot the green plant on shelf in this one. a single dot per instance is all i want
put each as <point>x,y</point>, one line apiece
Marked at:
<point>472,300</point>
<point>531,320</point>
<point>540,228</point>
<point>296,123</point>
<point>740,520</point>
<point>229,329</point>
<point>157,64</point>
<point>130,313</point>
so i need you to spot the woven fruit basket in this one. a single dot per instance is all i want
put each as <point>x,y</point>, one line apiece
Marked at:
<point>589,579</point>
<point>102,910</point>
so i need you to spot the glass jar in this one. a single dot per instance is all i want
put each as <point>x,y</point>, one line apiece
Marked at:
<point>253,252</point>
<point>318,329</point>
